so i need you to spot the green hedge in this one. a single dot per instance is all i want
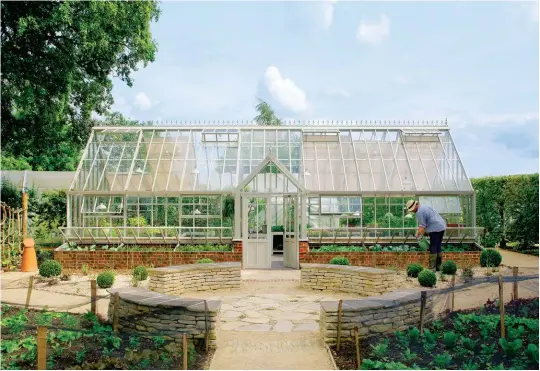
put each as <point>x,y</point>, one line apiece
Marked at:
<point>507,207</point>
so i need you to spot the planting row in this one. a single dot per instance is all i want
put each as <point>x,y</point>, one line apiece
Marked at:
<point>88,344</point>
<point>135,248</point>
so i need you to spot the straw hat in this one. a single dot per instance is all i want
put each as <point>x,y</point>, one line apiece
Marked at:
<point>411,204</point>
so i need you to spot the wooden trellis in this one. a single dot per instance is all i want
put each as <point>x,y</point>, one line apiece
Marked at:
<point>11,231</point>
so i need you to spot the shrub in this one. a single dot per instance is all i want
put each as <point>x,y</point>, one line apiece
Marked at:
<point>105,279</point>
<point>414,269</point>
<point>449,267</point>
<point>50,268</point>
<point>340,260</point>
<point>140,273</point>
<point>490,258</point>
<point>467,274</point>
<point>427,278</point>
<point>205,261</point>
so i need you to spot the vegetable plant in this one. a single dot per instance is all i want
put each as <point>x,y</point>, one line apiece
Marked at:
<point>511,348</point>
<point>340,260</point>
<point>205,261</point>
<point>414,334</point>
<point>429,337</point>
<point>532,353</point>
<point>442,361</point>
<point>450,339</point>
<point>380,350</point>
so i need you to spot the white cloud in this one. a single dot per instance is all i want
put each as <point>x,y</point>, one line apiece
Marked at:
<point>143,101</point>
<point>328,13</point>
<point>122,106</point>
<point>375,32</point>
<point>285,91</point>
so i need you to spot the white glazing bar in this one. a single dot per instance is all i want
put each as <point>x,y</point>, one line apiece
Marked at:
<point>118,167</point>
<point>330,166</point>
<point>369,161</point>
<point>159,161</point>
<point>207,164</point>
<point>238,157</point>
<point>436,165</point>
<point>393,145</point>
<point>317,166</point>
<point>382,161</point>
<point>83,158</point>
<point>135,154</point>
<point>407,158</point>
<point>225,152</point>
<point>459,161</point>
<point>423,167</point>
<point>172,160</point>
<point>104,168</point>
<point>150,144</point>
<point>92,166</point>
<point>356,162</point>
<point>190,138</point>
<point>343,163</point>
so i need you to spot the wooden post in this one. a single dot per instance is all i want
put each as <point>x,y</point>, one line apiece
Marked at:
<point>29,293</point>
<point>423,297</point>
<point>358,361</point>
<point>453,287</point>
<point>515,284</point>
<point>115,313</point>
<point>41,348</point>
<point>24,213</point>
<point>93,296</point>
<point>501,306</point>
<point>338,346</point>
<point>185,350</point>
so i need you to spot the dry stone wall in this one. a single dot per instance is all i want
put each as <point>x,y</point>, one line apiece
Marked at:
<point>179,279</point>
<point>154,314</point>
<point>384,314</point>
<point>359,280</point>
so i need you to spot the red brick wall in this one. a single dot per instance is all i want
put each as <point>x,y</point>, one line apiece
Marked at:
<point>129,260</point>
<point>303,247</point>
<point>390,259</point>
<point>237,246</point>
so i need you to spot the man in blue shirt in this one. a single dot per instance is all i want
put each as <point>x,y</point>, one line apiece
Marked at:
<point>430,222</point>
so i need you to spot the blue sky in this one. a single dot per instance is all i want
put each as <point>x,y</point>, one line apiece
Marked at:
<point>473,63</point>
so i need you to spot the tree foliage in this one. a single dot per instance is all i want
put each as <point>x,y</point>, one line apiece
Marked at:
<point>507,207</point>
<point>58,59</point>
<point>266,116</point>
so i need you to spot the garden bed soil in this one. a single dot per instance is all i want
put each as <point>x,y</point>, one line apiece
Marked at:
<point>93,347</point>
<point>476,345</point>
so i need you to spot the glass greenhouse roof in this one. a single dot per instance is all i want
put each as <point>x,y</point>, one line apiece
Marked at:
<point>323,159</point>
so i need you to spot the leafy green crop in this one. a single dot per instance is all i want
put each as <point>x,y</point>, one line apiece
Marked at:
<point>450,339</point>
<point>380,350</point>
<point>442,361</point>
<point>511,348</point>
<point>414,334</point>
<point>532,353</point>
<point>429,337</point>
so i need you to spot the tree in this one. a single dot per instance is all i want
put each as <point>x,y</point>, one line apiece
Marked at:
<point>266,116</point>
<point>58,58</point>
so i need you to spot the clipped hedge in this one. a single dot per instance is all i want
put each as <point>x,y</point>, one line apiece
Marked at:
<point>340,260</point>
<point>105,279</point>
<point>140,273</point>
<point>414,269</point>
<point>427,278</point>
<point>449,267</point>
<point>490,258</point>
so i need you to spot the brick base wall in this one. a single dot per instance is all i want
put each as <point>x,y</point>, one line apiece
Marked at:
<point>391,259</point>
<point>237,246</point>
<point>129,260</point>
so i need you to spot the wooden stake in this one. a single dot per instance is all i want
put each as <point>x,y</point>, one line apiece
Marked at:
<point>501,306</point>
<point>357,340</point>
<point>185,350</point>
<point>339,325</point>
<point>93,296</point>
<point>42,348</point>
<point>453,287</point>
<point>25,214</point>
<point>115,313</point>
<point>423,297</point>
<point>29,293</point>
<point>515,284</point>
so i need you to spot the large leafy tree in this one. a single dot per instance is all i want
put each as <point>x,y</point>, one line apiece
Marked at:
<point>58,61</point>
<point>266,115</point>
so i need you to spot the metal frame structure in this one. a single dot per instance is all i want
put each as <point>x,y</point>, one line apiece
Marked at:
<point>381,163</point>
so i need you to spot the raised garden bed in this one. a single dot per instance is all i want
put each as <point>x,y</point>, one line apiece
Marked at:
<point>90,345</point>
<point>462,340</point>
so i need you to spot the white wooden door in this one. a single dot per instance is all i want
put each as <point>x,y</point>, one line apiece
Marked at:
<point>290,238</point>
<point>257,248</point>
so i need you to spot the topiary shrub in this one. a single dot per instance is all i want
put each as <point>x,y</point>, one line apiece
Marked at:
<point>340,260</point>
<point>140,273</point>
<point>449,267</point>
<point>490,258</point>
<point>414,269</point>
<point>205,261</point>
<point>427,278</point>
<point>105,279</point>
<point>50,268</point>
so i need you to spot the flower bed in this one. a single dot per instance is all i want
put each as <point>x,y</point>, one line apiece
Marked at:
<point>90,344</point>
<point>463,340</point>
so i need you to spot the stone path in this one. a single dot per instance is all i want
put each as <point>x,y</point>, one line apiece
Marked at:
<point>515,259</point>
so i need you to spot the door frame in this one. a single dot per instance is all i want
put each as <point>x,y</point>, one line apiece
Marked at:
<point>245,233</point>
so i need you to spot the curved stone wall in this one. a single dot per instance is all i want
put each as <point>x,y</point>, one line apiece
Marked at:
<point>144,311</point>
<point>179,279</point>
<point>344,278</point>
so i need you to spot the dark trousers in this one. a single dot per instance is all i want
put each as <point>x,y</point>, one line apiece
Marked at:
<point>435,250</point>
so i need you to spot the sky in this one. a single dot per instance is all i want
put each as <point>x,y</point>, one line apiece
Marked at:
<point>475,64</point>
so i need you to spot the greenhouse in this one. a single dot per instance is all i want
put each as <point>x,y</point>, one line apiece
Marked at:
<point>268,187</point>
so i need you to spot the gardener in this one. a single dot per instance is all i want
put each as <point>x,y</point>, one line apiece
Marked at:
<point>430,222</point>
